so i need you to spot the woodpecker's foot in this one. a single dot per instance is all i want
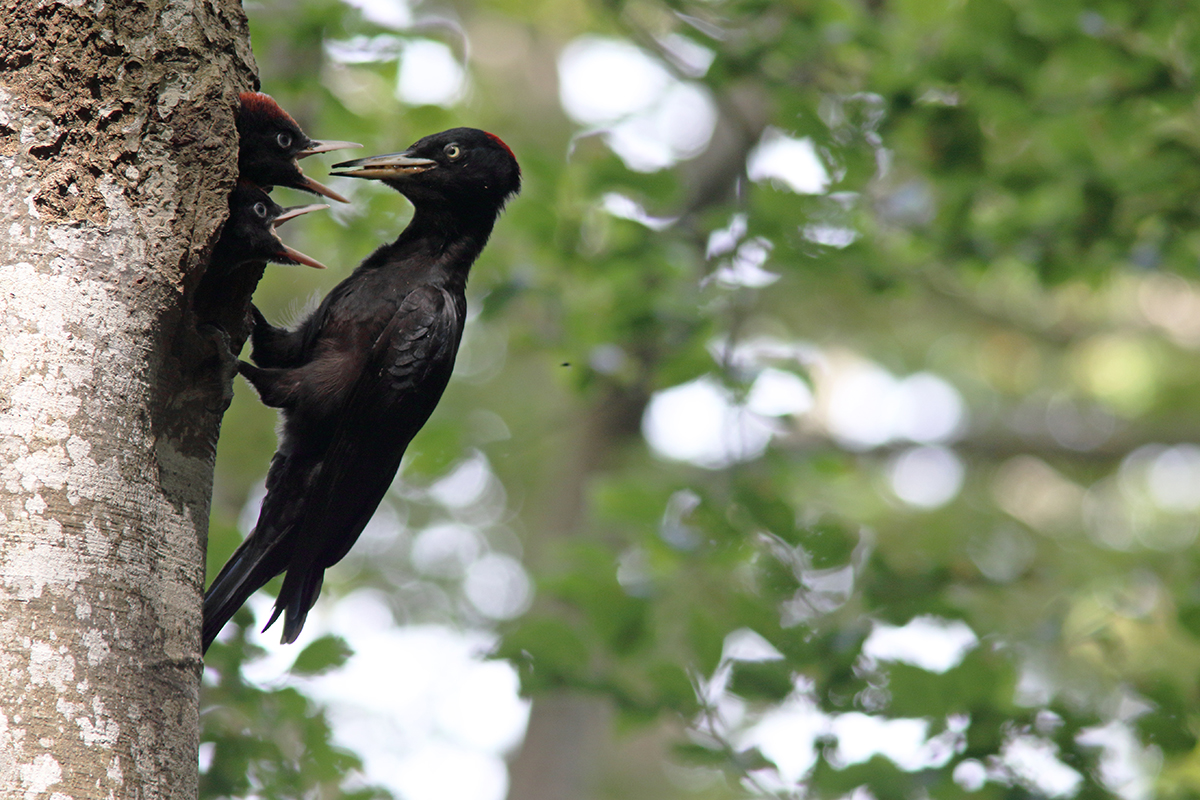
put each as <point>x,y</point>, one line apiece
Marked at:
<point>276,387</point>
<point>220,352</point>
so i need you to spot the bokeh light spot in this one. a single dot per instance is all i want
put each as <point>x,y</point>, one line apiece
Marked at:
<point>928,642</point>
<point>927,477</point>
<point>429,74</point>
<point>498,586</point>
<point>445,551</point>
<point>793,162</point>
<point>699,422</point>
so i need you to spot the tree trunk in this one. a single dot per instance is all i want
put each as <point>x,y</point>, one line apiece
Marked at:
<point>568,747</point>
<point>568,737</point>
<point>117,150</point>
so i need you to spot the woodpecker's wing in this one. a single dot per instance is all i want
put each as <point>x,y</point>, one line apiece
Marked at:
<point>398,389</point>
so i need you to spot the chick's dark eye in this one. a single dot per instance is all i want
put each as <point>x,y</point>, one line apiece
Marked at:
<point>284,139</point>
<point>452,151</point>
<point>261,210</point>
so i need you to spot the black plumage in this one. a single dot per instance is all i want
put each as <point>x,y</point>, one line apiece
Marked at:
<point>360,376</point>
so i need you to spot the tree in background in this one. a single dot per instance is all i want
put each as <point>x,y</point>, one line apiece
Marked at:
<point>849,318</point>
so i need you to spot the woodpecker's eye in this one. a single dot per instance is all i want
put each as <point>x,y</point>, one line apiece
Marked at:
<point>284,139</point>
<point>261,210</point>
<point>452,151</point>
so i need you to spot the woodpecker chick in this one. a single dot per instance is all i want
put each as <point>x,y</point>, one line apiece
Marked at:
<point>249,233</point>
<point>270,143</point>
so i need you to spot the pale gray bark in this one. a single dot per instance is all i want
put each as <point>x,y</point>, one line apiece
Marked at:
<point>560,755</point>
<point>117,149</point>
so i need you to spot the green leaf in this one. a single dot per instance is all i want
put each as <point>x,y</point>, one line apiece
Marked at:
<point>548,652</point>
<point>706,637</point>
<point>699,755</point>
<point>884,778</point>
<point>762,680</point>
<point>1169,724</point>
<point>591,585</point>
<point>672,687</point>
<point>1189,618</point>
<point>828,542</point>
<point>321,656</point>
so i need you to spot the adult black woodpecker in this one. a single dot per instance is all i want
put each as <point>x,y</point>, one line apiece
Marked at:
<point>270,143</point>
<point>249,233</point>
<point>360,376</point>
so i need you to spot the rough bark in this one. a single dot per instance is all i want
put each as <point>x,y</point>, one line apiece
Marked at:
<point>116,154</point>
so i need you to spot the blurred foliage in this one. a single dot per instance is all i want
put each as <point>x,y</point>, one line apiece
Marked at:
<point>1016,188</point>
<point>268,743</point>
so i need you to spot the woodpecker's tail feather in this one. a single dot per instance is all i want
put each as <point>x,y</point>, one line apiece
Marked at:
<point>296,598</point>
<point>244,574</point>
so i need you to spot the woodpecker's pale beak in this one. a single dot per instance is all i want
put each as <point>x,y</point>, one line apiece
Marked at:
<point>290,253</point>
<point>319,188</point>
<point>325,147</point>
<point>296,211</point>
<point>295,255</point>
<point>390,166</point>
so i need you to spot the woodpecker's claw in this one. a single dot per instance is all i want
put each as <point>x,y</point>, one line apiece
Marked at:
<point>226,361</point>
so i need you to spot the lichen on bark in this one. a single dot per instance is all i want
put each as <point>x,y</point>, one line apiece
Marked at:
<point>116,153</point>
